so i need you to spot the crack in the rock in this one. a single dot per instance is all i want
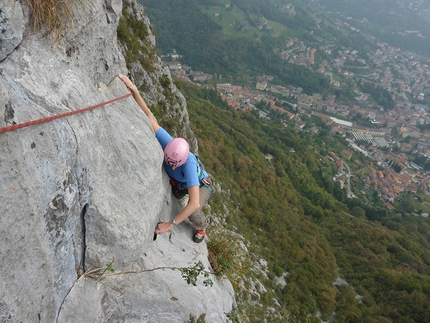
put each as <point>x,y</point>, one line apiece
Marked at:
<point>82,263</point>
<point>84,242</point>
<point>84,211</point>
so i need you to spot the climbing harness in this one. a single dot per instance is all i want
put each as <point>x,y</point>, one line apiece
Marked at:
<point>62,115</point>
<point>204,181</point>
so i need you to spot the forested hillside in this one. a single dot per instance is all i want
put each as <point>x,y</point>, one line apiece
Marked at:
<point>285,207</point>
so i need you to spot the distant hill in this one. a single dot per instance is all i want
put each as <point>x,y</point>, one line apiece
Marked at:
<point>242,38</point>
<point>405,24</point>
<point>245,37</point>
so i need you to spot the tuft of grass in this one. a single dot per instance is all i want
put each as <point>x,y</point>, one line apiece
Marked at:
<point>55,15</point>
<point>200,319</point>
<point>221,255</point>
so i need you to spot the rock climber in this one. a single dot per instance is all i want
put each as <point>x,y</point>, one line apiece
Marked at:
<point>186,172</point>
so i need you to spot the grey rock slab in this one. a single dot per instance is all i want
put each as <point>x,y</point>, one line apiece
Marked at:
<point>84,191</point>
<point>155,292</point>
<point>13,21</point>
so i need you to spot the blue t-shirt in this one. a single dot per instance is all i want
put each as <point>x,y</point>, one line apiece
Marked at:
<point>189,173</point>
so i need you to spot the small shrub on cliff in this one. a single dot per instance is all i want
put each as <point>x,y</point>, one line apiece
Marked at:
<point>190,274</point>
<point>132,34</point>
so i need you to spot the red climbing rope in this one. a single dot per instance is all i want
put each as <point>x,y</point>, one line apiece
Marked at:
<point>58,116</point>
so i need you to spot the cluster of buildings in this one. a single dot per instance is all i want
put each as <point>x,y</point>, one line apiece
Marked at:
<point>394,173</point>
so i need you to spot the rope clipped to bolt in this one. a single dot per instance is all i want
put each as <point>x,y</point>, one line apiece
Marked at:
<point>62,115</point>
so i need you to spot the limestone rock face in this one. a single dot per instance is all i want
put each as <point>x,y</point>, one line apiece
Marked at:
<point>85,191</point>
<point>13,20</point>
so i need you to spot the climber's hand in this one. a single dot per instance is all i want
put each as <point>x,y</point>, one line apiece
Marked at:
<point>163,227</point>
<point>128,83</point>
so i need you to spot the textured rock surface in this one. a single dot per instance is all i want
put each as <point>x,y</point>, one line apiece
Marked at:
<point>13,20</point>
<point>79,192</point>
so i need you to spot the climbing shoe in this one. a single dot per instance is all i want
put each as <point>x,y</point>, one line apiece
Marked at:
<point>199,236</point>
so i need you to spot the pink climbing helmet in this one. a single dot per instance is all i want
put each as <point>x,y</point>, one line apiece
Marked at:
<point>176,152</point>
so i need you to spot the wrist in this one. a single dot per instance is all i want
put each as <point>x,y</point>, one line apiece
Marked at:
<point>173,222</point>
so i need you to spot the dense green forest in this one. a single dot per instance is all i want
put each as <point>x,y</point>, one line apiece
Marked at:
<point>285,207</point>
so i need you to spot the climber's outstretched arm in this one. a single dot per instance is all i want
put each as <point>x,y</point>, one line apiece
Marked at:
<point>139,100</point>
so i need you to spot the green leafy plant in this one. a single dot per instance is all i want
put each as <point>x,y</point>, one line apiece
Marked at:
<point>191,274</point>
<point>165,81</point>
<point>110,267</point>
